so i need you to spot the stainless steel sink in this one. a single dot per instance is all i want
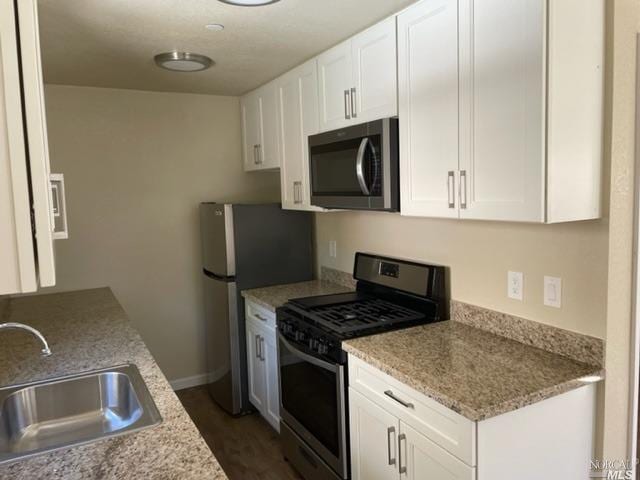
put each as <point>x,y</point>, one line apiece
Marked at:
<point>72,410</point>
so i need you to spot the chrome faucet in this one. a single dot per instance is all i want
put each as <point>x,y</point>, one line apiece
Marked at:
<point>21,326</point>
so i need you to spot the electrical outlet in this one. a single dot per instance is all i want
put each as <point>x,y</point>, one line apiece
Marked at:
<point>553,292</point>
<point>333,249</point>
<point>515,285</point>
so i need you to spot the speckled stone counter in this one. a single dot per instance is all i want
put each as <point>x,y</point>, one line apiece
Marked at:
<point>276,296</point>
<point>87,330</point>
<point>471,371</point>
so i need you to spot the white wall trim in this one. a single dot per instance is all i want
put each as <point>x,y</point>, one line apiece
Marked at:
<point>188,382</point>
<point>635,325</point>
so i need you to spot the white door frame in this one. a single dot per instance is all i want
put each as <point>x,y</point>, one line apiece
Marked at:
<point>635,326</point>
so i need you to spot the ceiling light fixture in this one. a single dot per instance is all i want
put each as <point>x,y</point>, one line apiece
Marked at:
<point>183,61</point>
<point>214,27</point>
<point>249,3</point>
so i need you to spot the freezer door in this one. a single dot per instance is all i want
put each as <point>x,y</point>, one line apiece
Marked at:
<point>224,338</point>
<point>216,227</point>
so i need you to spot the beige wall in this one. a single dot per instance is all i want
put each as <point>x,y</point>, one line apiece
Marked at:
<point>481,253</point>
<point>136,165</point>
<point>624,16</point>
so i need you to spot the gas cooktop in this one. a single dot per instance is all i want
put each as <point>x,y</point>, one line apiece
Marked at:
<point>351,313</point>
<point>390,294</point>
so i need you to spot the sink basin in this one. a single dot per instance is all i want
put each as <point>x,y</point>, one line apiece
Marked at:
<point>72,410</point>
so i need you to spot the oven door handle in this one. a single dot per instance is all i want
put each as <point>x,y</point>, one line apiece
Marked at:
<point>360,166</point>
<point>309,358</point>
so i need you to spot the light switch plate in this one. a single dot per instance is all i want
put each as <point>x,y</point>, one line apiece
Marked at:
<point>515,285</point>
<point>553,292</point>
<point>333,249</point>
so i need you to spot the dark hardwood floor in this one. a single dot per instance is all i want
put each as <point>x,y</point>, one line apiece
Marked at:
<point>246,447</point>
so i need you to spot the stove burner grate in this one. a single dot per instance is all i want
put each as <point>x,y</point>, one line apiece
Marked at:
<point>362,315</point>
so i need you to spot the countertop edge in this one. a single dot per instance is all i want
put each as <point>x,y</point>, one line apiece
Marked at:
<point>464,410</point>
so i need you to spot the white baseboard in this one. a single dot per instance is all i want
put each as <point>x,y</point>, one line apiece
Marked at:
<point>197,380</point>
<point>188,382</point>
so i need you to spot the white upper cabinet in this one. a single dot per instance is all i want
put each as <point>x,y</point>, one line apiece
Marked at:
<point>18,273</point>
<point>357,80</point>
<point>493,118</point>
<point>502,165</point>
<point>38,143</point>
<point>334,87</point>
<point>259,129</point>
<point>297,97</point>
<point>375,79</point>
<point>428,108</point>
<point>26,255</point>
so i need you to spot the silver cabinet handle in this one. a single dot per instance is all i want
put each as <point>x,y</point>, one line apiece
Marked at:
<point>259,317</point>
<point>451,187</point>
<point>391,395</point>
<point>347,102</point>
<point>354,110</point>
<point>297,192</point>
<point>360,166</point>
<point>255,154</point>
<point>463,189</point>
<point>259,154</point>
<point>401,469</point>
<point>262,357</point>
<point>391,432</point>
<point>257,338</point>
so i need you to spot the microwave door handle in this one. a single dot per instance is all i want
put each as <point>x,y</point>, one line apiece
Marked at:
<point>360,166</point>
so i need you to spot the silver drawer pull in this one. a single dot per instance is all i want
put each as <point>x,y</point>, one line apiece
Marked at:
<point>390,394</point>
<point>401,468</point>
<point>259,317</point>
<point>391,432</point>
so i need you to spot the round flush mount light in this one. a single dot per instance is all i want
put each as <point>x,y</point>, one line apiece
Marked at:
<point>214,27</point>
<point>249,3</point>
<point>183,61</point>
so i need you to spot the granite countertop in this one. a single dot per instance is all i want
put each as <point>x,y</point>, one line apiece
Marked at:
<point>471,371</point>
<point>276,296</point>
<point>87,330</point>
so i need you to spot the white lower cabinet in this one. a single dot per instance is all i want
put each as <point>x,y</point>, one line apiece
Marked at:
<point>262,363</point>
<point>374,444</point>
<point>419,459</point>
<point>397,433</point>
<point>385,448</point>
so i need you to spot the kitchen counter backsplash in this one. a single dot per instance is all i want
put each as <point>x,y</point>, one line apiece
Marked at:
<point>579,347</point>
<point>336,276</point>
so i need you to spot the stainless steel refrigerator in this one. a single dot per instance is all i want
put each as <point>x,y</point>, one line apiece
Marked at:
<point>245,246</point>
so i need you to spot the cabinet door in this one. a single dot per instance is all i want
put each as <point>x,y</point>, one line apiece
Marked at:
<point>375,85</point>
<point>420,458</point>
<point>38,144</point>
<point>270,361</point>
<point>428,107</point>
<point>251,134</point>
<point>268,155</point>
<point>255,367</point>
<point>502,136</point>
<point>18,271</point>
<point>297,93</point>
<point>334,87</point>
<point>374,445</point>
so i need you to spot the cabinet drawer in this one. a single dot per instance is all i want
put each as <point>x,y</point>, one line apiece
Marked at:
<point>451,431</point>
<point>260,314</point>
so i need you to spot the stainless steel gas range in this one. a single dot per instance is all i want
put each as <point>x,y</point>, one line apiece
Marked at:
<point>390,294</point>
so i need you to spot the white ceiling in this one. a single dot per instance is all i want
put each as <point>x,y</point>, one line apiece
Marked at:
<point>111,43</point>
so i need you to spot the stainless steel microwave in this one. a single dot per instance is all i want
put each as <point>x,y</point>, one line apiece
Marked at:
<point>356,167</point>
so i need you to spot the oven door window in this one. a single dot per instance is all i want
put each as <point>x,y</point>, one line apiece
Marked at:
<point>310,394</point>
<point>347,168</point>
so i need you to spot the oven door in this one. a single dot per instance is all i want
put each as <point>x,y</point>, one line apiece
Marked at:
<point>351,168</point>
<point>313,403</point>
